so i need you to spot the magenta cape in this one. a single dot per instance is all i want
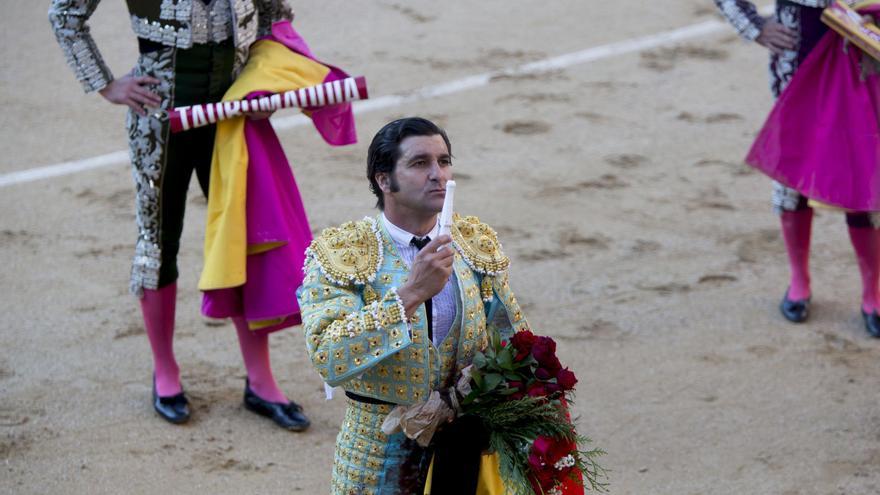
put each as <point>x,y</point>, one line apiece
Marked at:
<point>822,137</point>
<point>275,214</point>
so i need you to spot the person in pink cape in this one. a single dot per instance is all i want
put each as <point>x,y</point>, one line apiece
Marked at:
<point>185,59</point>
<point>257,231</point>
<point>820,143</point>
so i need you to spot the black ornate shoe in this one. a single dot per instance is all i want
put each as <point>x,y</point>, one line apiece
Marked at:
<point>795,311</point>
<point>872,323</point>
<point>288,416</point>
<point>174,409</point>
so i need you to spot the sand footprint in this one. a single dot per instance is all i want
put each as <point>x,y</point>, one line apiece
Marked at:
<point>716,280</point>
<point>574,238</point>
<point>13,237</point>
<point>606,181</point>
<point>131,330</point>
<point>737,169</point>
<point>525,127</point>
<point>412,14</point>
<point>596,118</point>
<point>643,246</point>
<point>715,118</point>
<point>762,351</point>
<point>535,98</point>
<point>508,232</point>
<point>665,289</point>
<point>600,330</point>
<point>9,417</point>
<point>711,199</point>
<point>543,254</point>
<point>712,118</point>
<point>626,160</point>
<point>664,59</point>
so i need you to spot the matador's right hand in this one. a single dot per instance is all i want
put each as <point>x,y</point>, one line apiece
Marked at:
<point>431,269</point>
<point>131,90</point>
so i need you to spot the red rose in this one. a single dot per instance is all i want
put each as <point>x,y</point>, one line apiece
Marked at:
<point>522,341</point>
<point>545,453</point>
<point>542,445</point>
<point>536,390</point>
<point>564,475</point>
<point>566,379</point>
<point>544,344</point>
<point>550,450</point>
<point>552,388</point>
<point>547,479</point>
<point>559,449</point>
<point>542,374</point>
<point>544,351</point>
<point>541,474</point>
<point>567,448</point>
<point>551,364</point>
<point>535,462</point>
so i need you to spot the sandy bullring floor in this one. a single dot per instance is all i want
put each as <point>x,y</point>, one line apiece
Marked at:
<point>639,241</point>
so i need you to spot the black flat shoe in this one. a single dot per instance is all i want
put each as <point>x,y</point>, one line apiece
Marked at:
<point>795,311</point>
<point>174,409</point>
<point>872,323</point>
<point>288,416</point>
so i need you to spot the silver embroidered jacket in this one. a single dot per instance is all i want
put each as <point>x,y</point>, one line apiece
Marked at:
<point>744,17</point>
<point>354,322</point>
<point>177,23</point>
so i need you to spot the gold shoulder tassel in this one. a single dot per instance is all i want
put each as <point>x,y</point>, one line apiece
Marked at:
<point>486,287</point>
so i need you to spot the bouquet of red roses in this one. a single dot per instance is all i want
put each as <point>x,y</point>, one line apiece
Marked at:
<point>520,391</point>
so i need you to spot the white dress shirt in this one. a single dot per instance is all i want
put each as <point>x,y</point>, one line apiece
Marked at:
<point>443,305</point>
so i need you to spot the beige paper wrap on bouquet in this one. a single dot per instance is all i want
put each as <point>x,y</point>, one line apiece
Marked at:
<point>420,421</point>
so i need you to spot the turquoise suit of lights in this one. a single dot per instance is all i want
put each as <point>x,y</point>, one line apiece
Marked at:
<point>357,338</point>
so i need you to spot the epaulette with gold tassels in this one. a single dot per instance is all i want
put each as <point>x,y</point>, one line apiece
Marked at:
<point>479,247</point>
<point>348,254</point>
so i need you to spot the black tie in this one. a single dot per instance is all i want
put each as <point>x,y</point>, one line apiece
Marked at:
<point>419,244</point>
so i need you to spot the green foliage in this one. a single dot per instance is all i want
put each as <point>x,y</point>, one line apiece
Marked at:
<point>515,424</point>
<point>492,380</point>
<point>493,369</point>
<point>587,464</point>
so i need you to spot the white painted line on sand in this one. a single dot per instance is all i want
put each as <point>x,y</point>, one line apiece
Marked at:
<point>428,92</point>
<point>66,168</point>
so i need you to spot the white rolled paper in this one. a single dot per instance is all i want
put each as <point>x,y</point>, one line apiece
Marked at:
<point>446,212</point>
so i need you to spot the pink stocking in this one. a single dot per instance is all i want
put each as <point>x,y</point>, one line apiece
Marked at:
<point>255,351</point>
<point>796,228</point>
<point>866,243</point>
<point>158,307</point>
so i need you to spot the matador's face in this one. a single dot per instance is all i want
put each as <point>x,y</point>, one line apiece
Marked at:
<point>418,183</point>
